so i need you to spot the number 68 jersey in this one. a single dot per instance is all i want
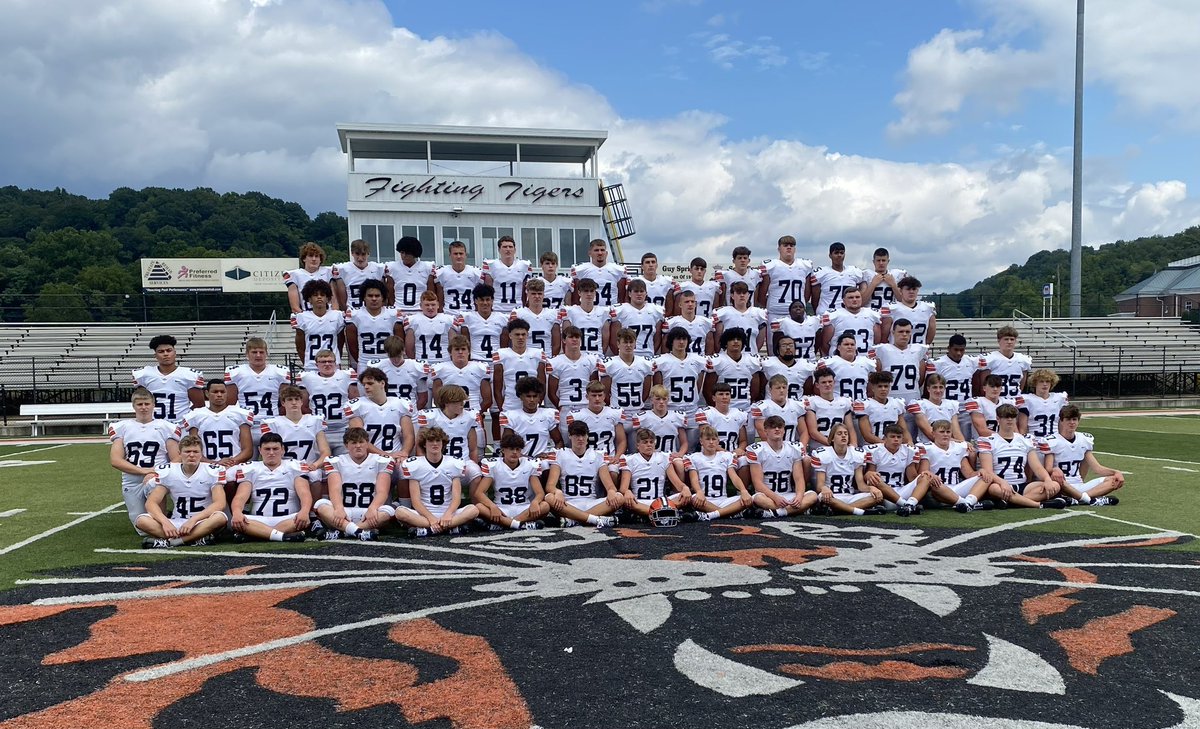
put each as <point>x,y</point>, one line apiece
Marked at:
<point>359,480</point>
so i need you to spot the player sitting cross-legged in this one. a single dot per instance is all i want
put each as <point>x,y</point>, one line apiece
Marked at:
<point>776,469</point>
<point>1070,460</point>
<point>517,500</point>
<point>276,491</point>
<point>710,473</point>
<point>645,474</point>
<point>840,484</point>
<point>1009,461</point>
<point>571,484</point>
<point>435,486</point>
<point>359,484</point>
<point>197,491</point>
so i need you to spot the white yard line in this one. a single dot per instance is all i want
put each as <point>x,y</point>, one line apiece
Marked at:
<point>35,450</point>
<point>1139,524</point>
<point>1147,458</point>
<point>57,529</point>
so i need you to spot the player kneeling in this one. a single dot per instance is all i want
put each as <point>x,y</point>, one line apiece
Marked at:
<point>645,474</point>
<point>198,492</point>
<point>572,478</point>
<point>1071,459</point>
<point>359,483</point>
<point>839,477</point>
<point>435,487</point>
<point>277,494</point>
<point>517,500</point>
<point>710,472</point>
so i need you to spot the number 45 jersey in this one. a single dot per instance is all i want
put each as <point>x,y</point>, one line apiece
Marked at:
<point>189,494</point>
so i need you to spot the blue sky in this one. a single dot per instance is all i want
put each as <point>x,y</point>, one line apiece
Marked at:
<point>939,129</point>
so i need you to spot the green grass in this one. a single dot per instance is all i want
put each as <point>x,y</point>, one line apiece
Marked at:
<point>80,480</point>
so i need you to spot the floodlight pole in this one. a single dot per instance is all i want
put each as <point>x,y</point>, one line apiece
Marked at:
<point>1077,174</point>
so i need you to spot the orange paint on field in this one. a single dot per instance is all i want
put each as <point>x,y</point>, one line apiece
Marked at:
<point>1108,637</point>
<point>628,533</point>
<point>1156,542</point>
<point>629,556</point>
<point>1070,574</point>
<point>742,530</point>
<point>885,671</point>
<point>245,570</point>
<point>25,613</point>
<point>1054,602</point>
<point>756,557</point>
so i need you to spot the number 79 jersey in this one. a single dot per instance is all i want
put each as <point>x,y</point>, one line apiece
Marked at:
<point>436,483</point>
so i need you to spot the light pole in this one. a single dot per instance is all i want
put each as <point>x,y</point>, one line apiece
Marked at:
<point>1077,174</point>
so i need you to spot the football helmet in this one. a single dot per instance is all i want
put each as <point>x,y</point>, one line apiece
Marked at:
<point>663,513</point>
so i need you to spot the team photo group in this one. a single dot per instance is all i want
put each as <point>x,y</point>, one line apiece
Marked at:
<point>429,399</point>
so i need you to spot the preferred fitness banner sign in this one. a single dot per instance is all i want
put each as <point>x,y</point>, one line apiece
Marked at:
<point>231,275</point>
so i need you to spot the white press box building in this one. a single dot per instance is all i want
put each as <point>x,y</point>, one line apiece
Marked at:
<point>440,184</point>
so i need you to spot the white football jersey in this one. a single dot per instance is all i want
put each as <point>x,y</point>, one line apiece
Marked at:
<point>591,323</point>
<point>1042,412</point>
<point>834,284</point>
<point>145,445</point>
<point>644,322</point>
<point>510,486</point>
<point>850,376</point>
<point>683,379</point>
<point>298,277</point>
<point>797,373</point>
<point>534,427</point>
<point>578,475</point>
<point>776,465</point>
<point>890,466</point>
<point>946,464</point>
<point>711,471</point>
<point>382,420</point>
<point>862,323</point>
<point>1008,455</point>
<point>906,366</point>
<point>697,330</point>
<point>828,412</point>
<point>485,333</point>
<point>729,425</point>
<point>190,494</point>
<point>509,282</point>
<point>958,375</point>
<point>320,332</point>
<point>431,335</point>
<point>273,490</point>
<point>457,287</point>
<point>706,296</point>
<point>299,439</point>
<point>541,326</point>
<point>648,476</point>
<point>558,291</point>
<point>411,282</point>
<point>933,412</point>
<point>220,433</point>
<point>838,470</point>
<point>657,290</point>
<point>880,414</point>
<point>606,277</point>
<point>359,479</point>
<point>919,315</point>
<point>987,408</point>
<point>457,429</point>
<point>517,365</point>
<point>626,381</point>
<point>469,378</point>
<point>792,410</point>
<point>1069,455</point>
<point>404,380</point>
<point>573,376</point>
<point>372,330</point>
<point>170,391</point>
<point>738,374</point>
<point>353,277</point>
<point>257,391</point>
<point>787,284</point>
<point>436,481</point>
<point>727,277</point>
<point>1012,369</point>
<point>327,399</point>
<point>665,428</point>
<point>803,332</point>
<point>602,427</point>
<point>751,322</point>
<point>883,294</point>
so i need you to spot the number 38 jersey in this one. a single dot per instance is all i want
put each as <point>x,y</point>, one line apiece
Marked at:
<point>510,486</point>
<point>776,464</point>
<point>712,471</point>
<point>647,476</point>
<point>577,477</point>
<point>145,445</point>
<point>272,490</point>
<point>436,481</point>
<point>838,470</point>
<point>190,494</point>
<point>359,479</point>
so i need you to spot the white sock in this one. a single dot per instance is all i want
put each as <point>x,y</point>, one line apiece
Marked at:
<point>351,529</point>
<point>858,511</point>
<point>970,499</point>
<point>276,535</point>
<point>515,524</point>
<point>780,512</point>
<point>593,519</point>
<point>1085,498</point>
<point>708,515</point>
<point>911,501</point>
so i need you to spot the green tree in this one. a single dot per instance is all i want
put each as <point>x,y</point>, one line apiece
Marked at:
<point>58,302</point>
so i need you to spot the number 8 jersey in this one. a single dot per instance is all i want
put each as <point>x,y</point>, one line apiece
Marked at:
<point>436,481</point>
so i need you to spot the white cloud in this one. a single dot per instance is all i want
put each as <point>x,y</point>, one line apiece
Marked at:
<point>244,95</point>
<point>727,51</point>
<point>1143,51</point>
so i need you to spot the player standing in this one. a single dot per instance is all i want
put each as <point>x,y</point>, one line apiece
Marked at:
<point>311,258</point>
<point>454,283</point>
<point>505,276</point>
<point>176,389</point>
<point>319,328</point>
<point>347,278</point>
<point>369,325</point>
<point>610,278</point>
<point>828,285</point>
<point>410,276</point>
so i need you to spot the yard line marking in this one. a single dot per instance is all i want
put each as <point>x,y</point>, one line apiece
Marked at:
<point>10,512</point>
<point>1150,565</point>
<point>1097,586</point>
<point>57,529</point>
<point>979,533</point>
<point>286,555</point>
<point>1177,468</point>
<point>36,450</point>
<point>81,513</point>
<point>224,578</point>
<point>1139,524</point>
<point>1078,543</point>
<point>170,669</point>
<point>1138,430</point>
<point>1148,458</point>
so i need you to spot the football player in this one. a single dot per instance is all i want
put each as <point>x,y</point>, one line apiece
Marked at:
<point>359,483</point>
<point>435,489</point>
<point>699,328</point>
<point>319,328</point>
<point>1005,361</point>
<point>197,493</point>
<point>1040,408</point>
<point>784,280</point>
<point>736,367</point>
<point>1009,460</point>
<point>272,500</point>
<point>828,285</point>
<point>778,473</point>
<point>682,373</point>
<point>891,467</point>
<point>427,333</point>
<point>710,473</point>
<point>579,483</point>
<point>410,276</point>
<point>139,448</point>
<point>517,500</point>
<point>254,384</point>
<point>660,290</point>
<point>543,322</point>
<point>642,317</point>
<point>840,484</point>
<point>311,257</point>
<point>610,278</point>
<point>780,403</point>
<point>645,474</point>
<point>880,410</point>
<point>347,279</point>
<point>505,275</point>
<point>589,317</point>
<point>329,390</point>
<point>823,409</point>
<point>176,389</point>
<point>1070,460</point>
<point>454,283</point>
<point>706,293</point>
<point>223,429</point>
<point>537,426</point>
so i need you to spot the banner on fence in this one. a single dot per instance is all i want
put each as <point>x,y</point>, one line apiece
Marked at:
<point>231,275</point>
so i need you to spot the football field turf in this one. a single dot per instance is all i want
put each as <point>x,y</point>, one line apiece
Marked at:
<point>1084,617</point>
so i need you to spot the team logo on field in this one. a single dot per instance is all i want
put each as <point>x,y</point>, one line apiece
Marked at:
<point>773,624</point>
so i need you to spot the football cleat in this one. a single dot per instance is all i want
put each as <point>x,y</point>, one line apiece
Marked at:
<point>1105,501</point>
<point>688,517</point>
<point>419,532</point>
<point>205,540</point>
<point>606,522</point>
<point>329,535</point>
<point>157,544</point>
<point>917,509</point>
<point>294,537</point>
<point>663,513</point>
<point>1055,503</point>
<point>536,524</point>
<point>316,529</point>
<point>963,507</point>
<point>904,510</point>
<point>874,511</point>
<point>569,523</point>
<point>985,505</point>
<point>367,535</point>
